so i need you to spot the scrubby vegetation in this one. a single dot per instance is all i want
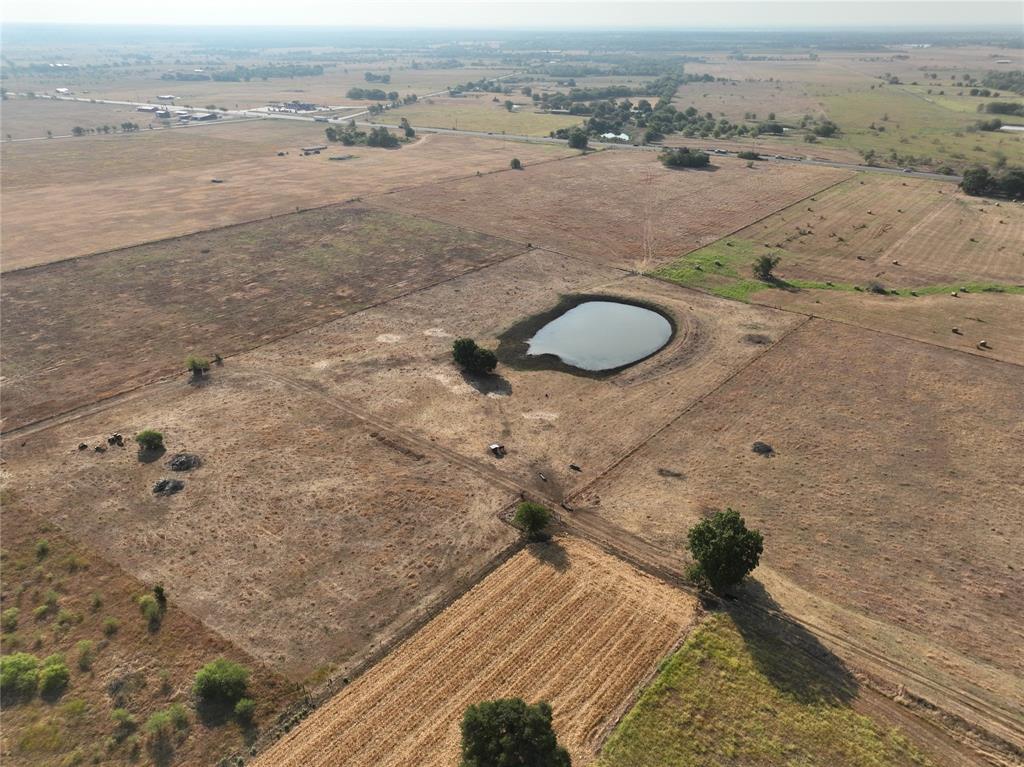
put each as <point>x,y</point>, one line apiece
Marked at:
<point>221,682</point>
<point>150,439</point>
<point>684,158</point>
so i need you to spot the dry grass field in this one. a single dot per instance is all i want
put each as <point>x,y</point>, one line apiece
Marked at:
<point>617,207</point>
<point>308,537</point>
<point>113,201</point>
<point>561,622</point>
<point>395,362</point>
<point>479,112</point>
<point>32,118</point>
<point>894,495</point>
<point>133,667</point>
<point>78,330</point>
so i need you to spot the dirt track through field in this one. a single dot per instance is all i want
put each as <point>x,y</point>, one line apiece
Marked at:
<point>561,622</point>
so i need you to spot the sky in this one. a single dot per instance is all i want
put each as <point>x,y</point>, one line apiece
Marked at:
<point>535,14</point>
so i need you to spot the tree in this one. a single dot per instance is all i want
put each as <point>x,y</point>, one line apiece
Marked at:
<point>509,733</point>
<point>197,366</point>
<point>533,518</point>
<point>724,550</point>
<point>473,358</point>
<point>578,139</point>
<point>516,164</point>
<point>976,181</point>
<point>684,158</point>
<point>221,681</point>
<point>509,104</point>
<point>764,266</point>
<point>150,439</point>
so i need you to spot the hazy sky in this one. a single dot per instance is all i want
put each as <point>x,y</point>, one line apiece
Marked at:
<point>485,14</point>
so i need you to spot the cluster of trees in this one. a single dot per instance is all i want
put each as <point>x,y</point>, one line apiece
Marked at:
<point>483,85</point>
<point>981,182</point>
<point>473,358</point>
<point>372,94</point>
<point>352,136</point>
<point>370,77</point>
<point>1004,108</point>
<point>684,158</point>
<point>125,127</point>
<point>1009,81</point>
<point>989,125</point>
<point>265,72</point>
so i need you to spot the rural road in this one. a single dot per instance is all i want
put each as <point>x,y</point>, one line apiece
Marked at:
<point>256,114</point>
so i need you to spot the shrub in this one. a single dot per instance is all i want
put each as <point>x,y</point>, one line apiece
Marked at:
<point>124,723</point>
<point>684,158</point>
<point>42,549</point>
<point>747,154</point>
<point>150,439</point>
<point>724,549</point>
<point>508,731</point>
<point>197,366</point>
<point>516,164</point>
<point>473,358</point>
<point>221,681</point>
<point>876,287</point>
<point>110,626</point>
<point>533,518</point>
<point>764,266</point>
<point>578,139</point>
<point>86,650</point>
<point>244,710</point>
<point>160,595</point>
<point>161,726</point>
<point>150,610</point>
<point>9,619</point>
<point>53,676</point>
<point>19,675</point>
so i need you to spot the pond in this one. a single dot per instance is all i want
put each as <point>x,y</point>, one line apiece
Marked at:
<point>602,335</point>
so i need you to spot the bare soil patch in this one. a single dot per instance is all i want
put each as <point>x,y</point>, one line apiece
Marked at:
<point>561,622</point>
<point>395,361</point>
<point>124,205</point>
<point>308,537</point>
<point>78,330</point>
<point>892,505</point>
<point>617,207</point>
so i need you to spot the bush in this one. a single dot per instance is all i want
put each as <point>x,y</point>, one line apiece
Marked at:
<point>221,681</point>
<point>764,266</point>
<point>746,154</point>
<point>161,726</point>
<point>876,287</point>
<point>684,158</point>
<point>473,358</point>
<point>724,550</point>
<point>244,710</point>
<point>509,732</point>
<point>86,654</point>
<point>150,610</point>
<point>150,439</point>
<point>19,675</point>
<point>516,164</point>
<point>42,549</point>
<point>110,626</point>
<point>197,366</point>
<point>54,676</point>
<point>578,139</point>
<point>9,619</point>
<point>533,518</point>
<point>124,723</point>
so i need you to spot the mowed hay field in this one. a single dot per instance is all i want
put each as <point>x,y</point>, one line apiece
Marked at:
<point>59,206</point>
<point>308,537</point>
<point>78,330</point>
<point>894,493</point>
<point>617,207</point>
<point>561,622</point>
<point>854,231</point>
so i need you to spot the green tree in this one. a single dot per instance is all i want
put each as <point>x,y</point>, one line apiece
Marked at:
<point>509,105</point>
<point>197,366</point>
<point>516,164</point>
<point>150,439</point>
<point>764,266</point>
<point>221,681</point>
<point>724,550</point>
<point>578,139</point>
<point>509,733</point>
<point>473,358</point>
<point>19,675</point>
<point>976,181</point>
<point>533,518</point>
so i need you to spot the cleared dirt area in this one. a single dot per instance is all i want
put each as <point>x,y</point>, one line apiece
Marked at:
<point>117,210</point>
<point>855,231</point>
<point>78,330</point>
<point>395,361</point>
<point>561,622</point>
<point>308,537</point>
<point>131,666</point>
<point>896,500</point>
<point>617,207</point>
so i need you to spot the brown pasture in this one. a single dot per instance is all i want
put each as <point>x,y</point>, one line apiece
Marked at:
<point>617,207</point>
<point>78,330</point>
<point>32,118</point>
<point>309,538</point>
<point>854,232</point>
<point>561,622</point>
<point>50,217</point>
<point>892,506</point>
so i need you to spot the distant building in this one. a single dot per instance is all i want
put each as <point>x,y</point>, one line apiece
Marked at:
<point>619,136</point>
<point>167,97</point>
<point>66,91</point>
<point>205,116</point>
<point>165,113</point>
<point>146,109</point>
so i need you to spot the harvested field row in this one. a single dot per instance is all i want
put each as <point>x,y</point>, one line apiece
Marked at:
<point>79,330</point>
<point>618,207</point>
<point>122,206</point>
<point>561,622</point>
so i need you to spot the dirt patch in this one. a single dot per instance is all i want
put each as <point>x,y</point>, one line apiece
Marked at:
<point>561,622</point>
<point>112,202</point>
<point>334,539</point>
<point>79,330</point>
<point>618,207</point>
